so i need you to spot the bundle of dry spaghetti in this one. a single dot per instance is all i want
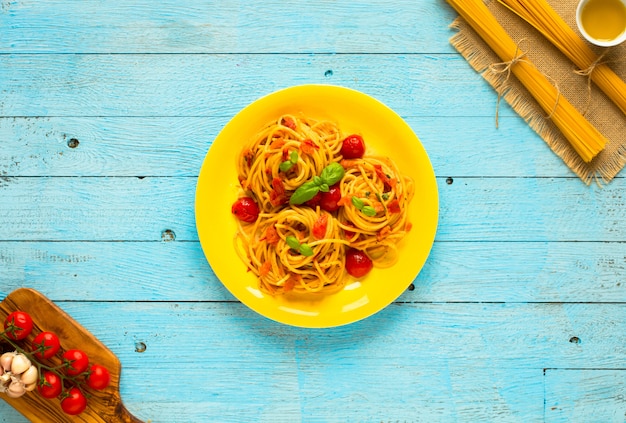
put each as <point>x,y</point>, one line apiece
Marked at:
<point>584,137</point>
<point>540,15</point>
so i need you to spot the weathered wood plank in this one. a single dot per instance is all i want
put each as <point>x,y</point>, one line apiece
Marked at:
<point>168,85</point>
<point>461,362</point>
<point>455,272</point>
<point>585,395</point>
<point>471,209</point>
<point>92,26</point>
<point>176,146</point>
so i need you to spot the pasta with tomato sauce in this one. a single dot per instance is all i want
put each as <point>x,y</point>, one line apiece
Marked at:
<point>315,208</point>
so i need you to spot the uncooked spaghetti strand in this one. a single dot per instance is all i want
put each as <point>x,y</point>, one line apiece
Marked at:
<point>586,140</point>
<point>540,15</point>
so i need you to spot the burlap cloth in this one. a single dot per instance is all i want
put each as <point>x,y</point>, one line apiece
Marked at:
<point>594,104</point>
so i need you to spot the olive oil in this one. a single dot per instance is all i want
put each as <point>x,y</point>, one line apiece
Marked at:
<point>604,20</point>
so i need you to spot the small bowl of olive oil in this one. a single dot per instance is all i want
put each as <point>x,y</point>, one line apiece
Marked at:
<point>602,22</point>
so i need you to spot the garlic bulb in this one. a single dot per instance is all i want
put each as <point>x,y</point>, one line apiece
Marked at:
<point>17,374</point>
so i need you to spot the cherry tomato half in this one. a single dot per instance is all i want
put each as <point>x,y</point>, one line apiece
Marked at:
<point>358,264</point>
<point>74,403</point>
<point>353,147</point>
<point>329,200</point>
<point>45,345</point>
<point>98,377</point>
<point>245,209</point>
<point>77,362</point>
<point>18,325</point>
<point>51,386</point>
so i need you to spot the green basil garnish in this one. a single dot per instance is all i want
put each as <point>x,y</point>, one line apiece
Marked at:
<point>360,205</point>
<point>330,175</point>
<point>295,245</point>
<point>368,211</point>
<point>288,164</point>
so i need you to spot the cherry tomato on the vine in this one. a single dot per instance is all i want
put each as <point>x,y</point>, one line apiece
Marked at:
<point>329,200</point>
<point>45,345</point>
<point>353,147</point>
<point>77,362</point>
<point>98,377</point>
<point>358,264</point>
<point>74,403</point>
<point>18,325</point>
<point>245,209</point>
<point>51,385</point>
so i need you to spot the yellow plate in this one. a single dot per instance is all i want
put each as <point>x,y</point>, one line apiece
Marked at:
<point>385,133</point>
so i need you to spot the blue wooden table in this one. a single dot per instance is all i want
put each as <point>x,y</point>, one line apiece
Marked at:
<point>107,109</point>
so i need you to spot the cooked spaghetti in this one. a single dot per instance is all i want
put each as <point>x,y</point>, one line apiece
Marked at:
<point>375,182</point>
<point>263,247</point>
<point>309,207</point>
<point>314,143</point>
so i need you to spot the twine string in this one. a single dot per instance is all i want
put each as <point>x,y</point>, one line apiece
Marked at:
<point>505,67</point>
<point>587,72</point>
<point>558,97</point>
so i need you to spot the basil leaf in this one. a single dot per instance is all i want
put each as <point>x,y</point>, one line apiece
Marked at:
<point>285,166</point>
<point>306,250</point>
<point>332,173</point>
<point>293,157</point>
<point>368,211</point>
<point>304,193</point>
<point>324,188</point>
<point>357,202</point>
<point>317,180</point>
<point>293,243</point>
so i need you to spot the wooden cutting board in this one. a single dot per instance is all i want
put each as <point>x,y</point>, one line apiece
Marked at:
<point>103,406</point>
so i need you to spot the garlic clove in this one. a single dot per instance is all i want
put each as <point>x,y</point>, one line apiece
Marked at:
<point>6,359</point>
<point>30,375</point>
<point>16,390</point>
<point>30,387</point>
<point>20,364</point>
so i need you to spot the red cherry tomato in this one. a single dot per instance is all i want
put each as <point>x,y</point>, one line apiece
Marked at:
<point>315,201</point>
<point>245,209</point>
<point>99,377</point>
<point>18,325</point>
<point>77,362</point>
<point>51,385</point>
<point>45,345</point>
<point>74,403</point>
<point>329,200</point>
<point>358,264</point>
<point>353,147</point>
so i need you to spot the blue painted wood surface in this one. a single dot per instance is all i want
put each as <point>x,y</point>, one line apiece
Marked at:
<point>106,112</point>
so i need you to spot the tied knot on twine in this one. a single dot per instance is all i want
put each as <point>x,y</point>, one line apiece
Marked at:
<point>505,67</point>
<point>588,72</point>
